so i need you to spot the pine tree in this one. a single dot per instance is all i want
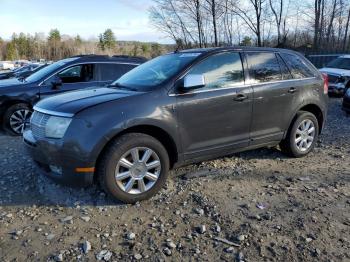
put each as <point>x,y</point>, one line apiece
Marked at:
<point>11,53</point>
<point>54,42</point>
<point>107,40</point>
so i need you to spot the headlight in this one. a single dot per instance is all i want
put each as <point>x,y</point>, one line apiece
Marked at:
<point>56,126</point>
<point>348,92</point>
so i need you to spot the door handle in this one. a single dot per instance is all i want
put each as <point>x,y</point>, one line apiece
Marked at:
<point>240,97</point>
<point>292,90</point>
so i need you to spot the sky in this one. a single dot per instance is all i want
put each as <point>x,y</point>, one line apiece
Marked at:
<point>129,19</point>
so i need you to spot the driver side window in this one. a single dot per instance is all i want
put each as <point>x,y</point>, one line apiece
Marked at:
<point>220,70</point>
<point>77,74</point>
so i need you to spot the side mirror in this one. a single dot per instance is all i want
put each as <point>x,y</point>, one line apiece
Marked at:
<point>193,82</point>
<point>56,82</point>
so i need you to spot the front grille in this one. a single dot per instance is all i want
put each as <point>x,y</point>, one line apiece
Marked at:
<point>333,78</point>
<point>38,123</point>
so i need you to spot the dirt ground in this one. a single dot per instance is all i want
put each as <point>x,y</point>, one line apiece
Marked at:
<point>253,206</point>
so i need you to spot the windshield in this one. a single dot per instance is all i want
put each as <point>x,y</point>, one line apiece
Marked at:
<point>156,71</point>
<point>341,62</point>
<point>47,70</point>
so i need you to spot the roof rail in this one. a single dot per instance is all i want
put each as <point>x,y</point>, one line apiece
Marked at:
<point>89,55</point>
<point>130,57</point>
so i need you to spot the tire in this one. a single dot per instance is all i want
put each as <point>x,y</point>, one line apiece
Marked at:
<point>19,113</point>
<point>289,146</point>
<point>123,147</point>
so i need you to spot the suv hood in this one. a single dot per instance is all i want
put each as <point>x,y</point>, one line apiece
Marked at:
<point>75,101</point>
<point>336,71</point>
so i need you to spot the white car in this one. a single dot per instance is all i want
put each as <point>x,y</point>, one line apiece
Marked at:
<point>5,65</point>
<point>338,71</point>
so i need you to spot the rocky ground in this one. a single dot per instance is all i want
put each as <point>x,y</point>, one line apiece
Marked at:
<point>253,206</point>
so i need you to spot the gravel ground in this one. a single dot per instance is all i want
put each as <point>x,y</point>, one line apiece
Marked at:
<point>253,206</point>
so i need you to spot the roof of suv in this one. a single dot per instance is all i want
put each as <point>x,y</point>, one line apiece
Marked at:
<point>235,48</point>
<point>106,58</point>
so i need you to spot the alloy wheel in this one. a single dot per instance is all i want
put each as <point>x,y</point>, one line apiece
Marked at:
<point>138,170</point>
<point>19,119</point>
<point>305,135</point>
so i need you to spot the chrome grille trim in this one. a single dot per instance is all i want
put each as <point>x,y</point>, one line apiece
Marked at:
<point>52,113</point>
<point>38,123</point>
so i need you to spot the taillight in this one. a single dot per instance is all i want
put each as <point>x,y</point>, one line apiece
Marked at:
<point>325,83</point>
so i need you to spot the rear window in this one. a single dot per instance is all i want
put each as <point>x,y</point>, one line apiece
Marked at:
<point>298,67</point>
<point>264,67</point>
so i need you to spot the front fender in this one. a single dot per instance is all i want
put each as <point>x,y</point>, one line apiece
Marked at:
<point>106,121</point>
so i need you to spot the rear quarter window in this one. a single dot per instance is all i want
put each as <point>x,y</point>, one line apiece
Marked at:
<point>298,67</point>
<point>106,72</point>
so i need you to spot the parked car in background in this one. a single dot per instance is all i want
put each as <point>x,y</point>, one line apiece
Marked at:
<point>338,71</point>
<point>22,72</point>
<point>20,63</point>
<point>179,108</point>
<point>17,96</point>
<point>346,101</point>
<point>320,61</point>
<point>6,65</point>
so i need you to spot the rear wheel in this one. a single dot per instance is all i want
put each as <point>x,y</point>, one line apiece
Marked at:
<point>302,135</point>
<point>133,168</point>
<point>16,118</point>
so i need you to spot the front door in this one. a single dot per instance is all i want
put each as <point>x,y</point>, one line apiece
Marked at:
<point>215,119</point>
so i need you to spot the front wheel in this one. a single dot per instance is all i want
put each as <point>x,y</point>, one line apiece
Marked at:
<point>16,118</point>
<point>302,135</point>
<point>133,168</point>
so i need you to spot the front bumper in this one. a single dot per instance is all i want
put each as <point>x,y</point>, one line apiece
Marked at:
<point>346,104</point>
<point>336,90</point>
<point>58,161</point>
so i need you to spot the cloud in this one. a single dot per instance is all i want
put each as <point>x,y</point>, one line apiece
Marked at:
<point>140,5</point>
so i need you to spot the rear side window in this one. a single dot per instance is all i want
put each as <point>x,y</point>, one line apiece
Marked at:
<point>220,70</point>
<point>298,67</point>
<point>106,72</point>
<point>284,69</point>
<point>263,67</point>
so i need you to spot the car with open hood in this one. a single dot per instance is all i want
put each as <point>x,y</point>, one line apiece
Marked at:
<point>338,71</point>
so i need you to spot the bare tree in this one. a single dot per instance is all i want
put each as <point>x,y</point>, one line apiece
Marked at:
<point>331,20</point>
<point>252,19</point>
<point>280,19</point>
<point>346,30</point>
<point>215,12</point>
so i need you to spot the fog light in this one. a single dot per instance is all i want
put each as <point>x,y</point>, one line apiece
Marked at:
<point>56,169</point>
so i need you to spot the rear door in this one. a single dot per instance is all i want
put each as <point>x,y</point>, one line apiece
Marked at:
<point>106,73</point>
<point>215,119</point>
<point>73,77</point>
<point>273,95</point>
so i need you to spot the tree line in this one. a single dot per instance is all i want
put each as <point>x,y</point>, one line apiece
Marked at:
<point>57,46</point>
<point>314,24</point>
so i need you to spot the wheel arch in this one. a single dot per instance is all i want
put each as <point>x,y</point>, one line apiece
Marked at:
<point>312,108</point>
<point>158,133</point>
<point>10,102</point>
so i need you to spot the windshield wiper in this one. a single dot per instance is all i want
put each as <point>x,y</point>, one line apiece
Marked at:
<point>122,87</point>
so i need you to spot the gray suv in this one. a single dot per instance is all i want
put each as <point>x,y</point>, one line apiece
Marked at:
<point>179,108</point>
